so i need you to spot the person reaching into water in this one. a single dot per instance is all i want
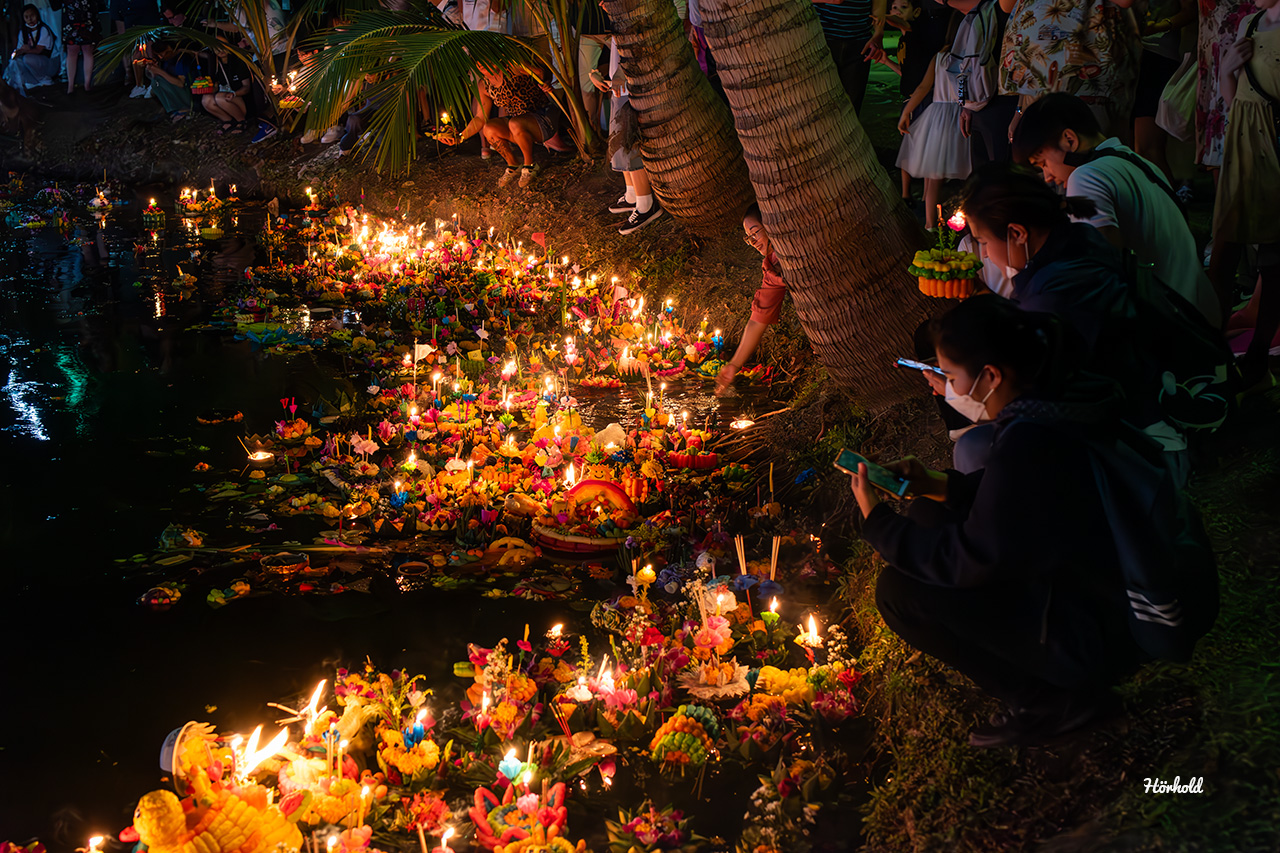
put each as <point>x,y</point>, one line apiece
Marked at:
<point>767,304</point>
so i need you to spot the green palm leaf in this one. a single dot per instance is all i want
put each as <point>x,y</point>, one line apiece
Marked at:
<point>409,51</point>
<point>112,51</point>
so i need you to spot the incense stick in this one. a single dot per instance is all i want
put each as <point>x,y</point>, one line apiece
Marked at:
<point>742,554</point>
<point>773,563</point>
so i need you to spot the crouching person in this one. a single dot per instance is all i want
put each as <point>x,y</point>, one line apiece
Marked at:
<point>1011,574</point>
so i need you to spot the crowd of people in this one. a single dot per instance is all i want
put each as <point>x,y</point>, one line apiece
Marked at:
<point>1085,372</point>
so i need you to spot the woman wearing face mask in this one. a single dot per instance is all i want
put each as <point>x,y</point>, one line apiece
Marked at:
<point>1069,270</point>
<point>1010,574</point>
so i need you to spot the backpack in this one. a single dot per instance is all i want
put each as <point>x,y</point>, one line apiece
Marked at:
<point>1200,373</point>
<point>1170,572</point>
<point>972,54</point>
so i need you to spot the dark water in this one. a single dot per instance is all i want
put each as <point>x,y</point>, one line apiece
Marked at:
<point>102,382</point>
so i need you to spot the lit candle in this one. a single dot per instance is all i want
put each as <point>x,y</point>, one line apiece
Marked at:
<point>444,840</point>
<point>771,617</point>
<point>364,805</point>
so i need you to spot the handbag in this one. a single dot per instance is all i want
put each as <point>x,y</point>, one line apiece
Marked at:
<point>1267,96</point>
<point>1177,110</point>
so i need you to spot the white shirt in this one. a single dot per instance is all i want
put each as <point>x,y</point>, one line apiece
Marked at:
<point>1150,224</point>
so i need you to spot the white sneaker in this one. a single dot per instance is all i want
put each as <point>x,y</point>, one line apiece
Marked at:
<point>309,137</point>
<point>333,134</point>
<point>147,94</point>
<point>138,92</point>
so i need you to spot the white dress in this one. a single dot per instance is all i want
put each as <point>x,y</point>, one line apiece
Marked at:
<point>934,147</point>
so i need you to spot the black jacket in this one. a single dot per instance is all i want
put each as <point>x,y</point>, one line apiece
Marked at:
<point>1029,528</point>
<point>1079,277</point>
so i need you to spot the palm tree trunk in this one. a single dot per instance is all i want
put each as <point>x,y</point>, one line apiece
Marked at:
<point>842,236</point>
<point>690,150</point>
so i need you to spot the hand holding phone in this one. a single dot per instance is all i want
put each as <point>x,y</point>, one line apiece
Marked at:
<point>880,477</point>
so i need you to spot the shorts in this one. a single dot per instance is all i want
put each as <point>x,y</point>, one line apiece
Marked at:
<point>624,159</point>
<point>589,52</point>
<point>1154,74</point>
<point>548,119</point>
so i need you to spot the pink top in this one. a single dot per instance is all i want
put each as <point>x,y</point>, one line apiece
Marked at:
<point>767,304</point>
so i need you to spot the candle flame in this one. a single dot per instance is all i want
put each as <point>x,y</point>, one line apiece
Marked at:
<point>444,839</point>
<point>569,477</point>
<point>253,757</point>
<point>556,630</point>
<point>773,605</point>
<point>332,842</point>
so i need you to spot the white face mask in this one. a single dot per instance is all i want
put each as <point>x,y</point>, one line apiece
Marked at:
<point>1009,271</point>
<point>974,410</point>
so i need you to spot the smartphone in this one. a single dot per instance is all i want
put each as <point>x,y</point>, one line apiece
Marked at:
<point>880,476</point>
<point>920,365</point>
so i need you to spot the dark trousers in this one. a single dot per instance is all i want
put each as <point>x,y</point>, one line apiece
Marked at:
<point>853,71</point>
<point>989,131</point>
<point>992,635</point>
<point>354,130</point>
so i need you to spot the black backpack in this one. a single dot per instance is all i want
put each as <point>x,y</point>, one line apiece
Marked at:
<point>1170,572</point>
<point>1197,388</point>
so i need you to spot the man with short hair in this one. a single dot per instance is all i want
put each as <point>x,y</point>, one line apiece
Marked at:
<point>1137,209</point>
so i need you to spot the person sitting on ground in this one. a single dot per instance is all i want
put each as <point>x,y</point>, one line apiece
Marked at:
<point>531,118</point>
<point>767,304</point>
<point>357,120</point>
<point>1011,574</point>
<point>1136,207</point>
<point>170,74</point>
<point>33,63</point>
<point>228,104</point>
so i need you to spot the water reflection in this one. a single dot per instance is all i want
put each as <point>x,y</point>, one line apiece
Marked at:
<point>23,395</point>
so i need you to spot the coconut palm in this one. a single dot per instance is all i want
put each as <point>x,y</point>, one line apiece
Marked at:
<point>842,236</point>
<point>690,149</point>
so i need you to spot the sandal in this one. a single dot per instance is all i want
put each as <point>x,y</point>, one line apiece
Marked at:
<point>226,128</point>
<point>237,127</point>
<point>177,116</point>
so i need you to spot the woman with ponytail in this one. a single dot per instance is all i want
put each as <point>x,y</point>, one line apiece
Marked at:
<point>1010,574</point>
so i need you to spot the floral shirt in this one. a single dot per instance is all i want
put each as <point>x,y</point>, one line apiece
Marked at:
<point>1088,48</point>
<point>1219,23</point>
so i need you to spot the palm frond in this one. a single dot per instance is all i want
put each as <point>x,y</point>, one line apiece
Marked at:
<point>409,51</point>
<point>112,51</point>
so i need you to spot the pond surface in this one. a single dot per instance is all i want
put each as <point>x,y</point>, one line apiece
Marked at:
<point>103,378</point>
